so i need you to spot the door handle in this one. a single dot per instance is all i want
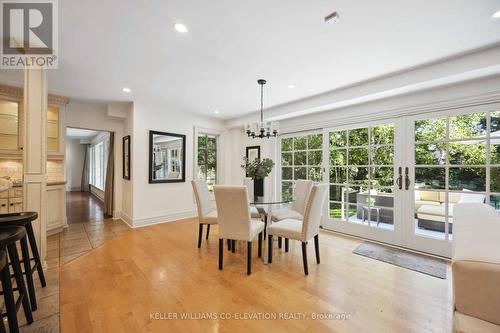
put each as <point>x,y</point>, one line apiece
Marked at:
<point>407,179</point>
<point>399,181</point>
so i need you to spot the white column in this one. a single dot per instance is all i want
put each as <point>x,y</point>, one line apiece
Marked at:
<point>35,151</point>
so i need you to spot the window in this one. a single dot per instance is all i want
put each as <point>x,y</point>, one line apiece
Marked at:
<point>207,159</point>
<point>98,162</point>
<point>301,158</point>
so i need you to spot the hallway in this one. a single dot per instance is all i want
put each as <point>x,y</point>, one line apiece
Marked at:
<point>83,207</point>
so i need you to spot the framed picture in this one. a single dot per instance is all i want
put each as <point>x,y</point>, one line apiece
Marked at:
<point>167,157</point>
<point>126,157</point>
<point>253,152</point>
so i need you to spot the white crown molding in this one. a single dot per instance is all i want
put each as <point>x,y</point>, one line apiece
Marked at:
<point>475,100</point>
<point>144,222</point>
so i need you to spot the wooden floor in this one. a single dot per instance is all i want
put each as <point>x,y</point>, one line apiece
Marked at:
<point>134,282</point>
<point>83,207</point>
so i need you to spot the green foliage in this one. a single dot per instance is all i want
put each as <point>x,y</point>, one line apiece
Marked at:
<point>258,169</point>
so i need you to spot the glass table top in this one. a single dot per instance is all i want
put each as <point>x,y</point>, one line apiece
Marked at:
<point>269,201</point>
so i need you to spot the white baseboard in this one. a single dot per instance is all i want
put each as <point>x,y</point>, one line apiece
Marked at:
<point>144,222</point>
<point>125,218</point>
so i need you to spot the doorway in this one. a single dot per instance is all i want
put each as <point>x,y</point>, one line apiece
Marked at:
<point>396,180</point>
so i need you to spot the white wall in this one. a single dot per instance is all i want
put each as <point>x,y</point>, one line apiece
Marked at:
<point>127,185</point>
<point>94,116</point>
<point>155,203</point>
<point>75,155</point>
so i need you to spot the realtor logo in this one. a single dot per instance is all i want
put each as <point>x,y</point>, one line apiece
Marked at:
<point>29,34</point>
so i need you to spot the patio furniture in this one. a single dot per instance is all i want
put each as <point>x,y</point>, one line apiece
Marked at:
<point>372,209</point>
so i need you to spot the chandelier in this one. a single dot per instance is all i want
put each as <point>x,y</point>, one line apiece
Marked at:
<point>262,129</point>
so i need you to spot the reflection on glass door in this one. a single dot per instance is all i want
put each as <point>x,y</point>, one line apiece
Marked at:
<point>456,160</point>
<point>361,176</point>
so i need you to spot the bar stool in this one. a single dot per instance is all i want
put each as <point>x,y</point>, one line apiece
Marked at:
<point>9,235</point>
<point>24,219</point>
<point>8,295</point>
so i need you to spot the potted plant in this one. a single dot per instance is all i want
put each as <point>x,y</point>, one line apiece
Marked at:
<point>258,170</point>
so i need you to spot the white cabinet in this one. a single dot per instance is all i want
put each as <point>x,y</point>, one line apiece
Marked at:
<point>56,208</point>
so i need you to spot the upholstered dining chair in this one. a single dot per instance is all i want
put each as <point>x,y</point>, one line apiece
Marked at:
<point>296,211</point>
<point>302,230</point>
<point>206,212</point>
<point>254,212</point>
<point>235,222</point>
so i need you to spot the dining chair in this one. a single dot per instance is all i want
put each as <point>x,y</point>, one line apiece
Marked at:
<point>235,222</point>
<point>248,182</point>
<point>301,191</point>
<point>206,213</point>
<point>302,230</point>
<point>296,211</point>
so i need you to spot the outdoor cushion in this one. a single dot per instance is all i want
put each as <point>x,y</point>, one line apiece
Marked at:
<point>434,213</point>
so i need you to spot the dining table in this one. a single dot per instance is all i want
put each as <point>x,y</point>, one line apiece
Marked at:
<point>265,207</point>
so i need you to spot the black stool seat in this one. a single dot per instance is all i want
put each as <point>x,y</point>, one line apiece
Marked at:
<point>24,219</point>
<point>18,218</point>
<point>10,234</point>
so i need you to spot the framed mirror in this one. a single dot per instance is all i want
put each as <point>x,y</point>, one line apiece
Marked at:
<point>167,157</point>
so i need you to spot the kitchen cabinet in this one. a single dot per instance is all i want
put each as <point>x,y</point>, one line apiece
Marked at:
<point>9,125</point>
<point>53,130</point>
<point>56,208</point>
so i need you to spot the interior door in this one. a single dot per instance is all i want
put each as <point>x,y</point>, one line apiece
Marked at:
<point>361,164</point>
<point>453,157</point>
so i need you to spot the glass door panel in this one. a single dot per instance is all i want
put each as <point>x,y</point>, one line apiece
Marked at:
<point>454,160</point>
<point>360,171</point>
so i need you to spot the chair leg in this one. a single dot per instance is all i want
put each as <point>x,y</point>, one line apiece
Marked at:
<point>200,233</point>
<point>221,252</point>
<point>270,251</point>
<point>249,258</point>
<point>36,255</point>
<point>265,227</point>
<point>304,257</point>
<point>259,250</point>
<point>316,247</point>
<point>208,230</point>
<point>29,275</point>
<point>279,242</point>
<point>286,244</point>
<point>233,245</point>
<point>10,303</point>
<point>21,287</point>
<point>229,245</point>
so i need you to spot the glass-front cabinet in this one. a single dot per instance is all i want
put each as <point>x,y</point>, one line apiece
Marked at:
<point>9,125</point>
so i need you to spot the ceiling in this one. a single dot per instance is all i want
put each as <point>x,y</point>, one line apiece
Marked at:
<point>80,134</point>
<point>108,45</point>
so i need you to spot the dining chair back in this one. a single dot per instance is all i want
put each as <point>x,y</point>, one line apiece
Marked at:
<point>233,212</point>
<point>202,197</point>
<point>313,211</point>
<point>302,189</point>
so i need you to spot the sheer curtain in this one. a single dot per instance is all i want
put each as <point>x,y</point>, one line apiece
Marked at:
<point>85,186</point>
<point>110,178</point>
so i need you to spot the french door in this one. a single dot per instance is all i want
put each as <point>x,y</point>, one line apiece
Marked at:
<point>361,166</point>
<point>397,180</point>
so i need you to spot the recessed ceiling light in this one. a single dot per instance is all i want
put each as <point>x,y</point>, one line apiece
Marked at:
<point>180,27</point>
<point>127,90</point>
<point>291,86</point>
<point>497,14</point>
<point>216,111</point>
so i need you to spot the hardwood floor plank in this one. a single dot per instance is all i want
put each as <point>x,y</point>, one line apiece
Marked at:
<point>159,270</point>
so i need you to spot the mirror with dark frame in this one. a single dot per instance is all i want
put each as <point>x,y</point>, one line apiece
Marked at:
<point>167,157</point>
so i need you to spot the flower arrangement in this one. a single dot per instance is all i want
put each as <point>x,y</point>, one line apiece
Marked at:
<point>257,169</point>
